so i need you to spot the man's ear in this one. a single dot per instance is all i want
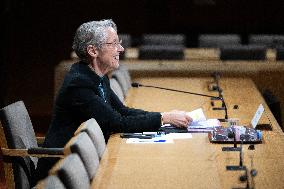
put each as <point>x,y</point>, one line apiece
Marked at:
<point>92,51</point>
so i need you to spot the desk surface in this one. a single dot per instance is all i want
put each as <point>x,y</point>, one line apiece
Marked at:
<point>195,162</point>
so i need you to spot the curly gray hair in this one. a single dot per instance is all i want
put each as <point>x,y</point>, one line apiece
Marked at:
<point>91,33</point>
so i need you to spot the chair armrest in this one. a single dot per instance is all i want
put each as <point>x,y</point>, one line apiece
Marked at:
<point>49,151</point>
<point>35,152</point>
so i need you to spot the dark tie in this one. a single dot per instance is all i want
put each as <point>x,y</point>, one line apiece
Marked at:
<point>101,90</point>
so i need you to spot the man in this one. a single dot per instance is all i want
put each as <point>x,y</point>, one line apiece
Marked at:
<point>86,93</point>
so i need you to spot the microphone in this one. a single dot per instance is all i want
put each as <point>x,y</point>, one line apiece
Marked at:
<point>168,89</point>
<point>136,85</point>
<point>213,87</point>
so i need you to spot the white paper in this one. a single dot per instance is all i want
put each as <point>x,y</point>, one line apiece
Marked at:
<point>168,138</point>
<point>177,136</point>
<point>209,123</point>
<point>148,141</point>
<point>199,121</point>
<point>257,115</point>
<point>196,115</point>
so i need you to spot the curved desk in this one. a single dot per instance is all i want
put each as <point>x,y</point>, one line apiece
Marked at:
<point>195,162</point>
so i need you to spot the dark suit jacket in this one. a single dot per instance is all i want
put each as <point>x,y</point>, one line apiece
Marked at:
<point>78,100</point>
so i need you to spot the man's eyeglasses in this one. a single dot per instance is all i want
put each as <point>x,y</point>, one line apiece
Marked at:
<point>115,44</point>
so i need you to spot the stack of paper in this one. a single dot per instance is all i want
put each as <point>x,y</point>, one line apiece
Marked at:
<point>200,123</point>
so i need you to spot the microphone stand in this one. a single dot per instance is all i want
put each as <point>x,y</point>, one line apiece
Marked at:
<point>220,97</point>
<point>218,88</point>
<point>180,91</point>
<point>224,107</point>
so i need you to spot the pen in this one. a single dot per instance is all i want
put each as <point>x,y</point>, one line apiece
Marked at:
<point>133,135</point>
<point>160,141</point>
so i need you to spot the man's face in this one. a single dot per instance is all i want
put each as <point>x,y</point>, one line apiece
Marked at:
<point>109,53</point>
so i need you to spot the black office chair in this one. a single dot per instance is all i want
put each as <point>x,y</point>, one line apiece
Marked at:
<point>243,53</point>
<point>164,39</point>
<point>19,146</point>
<point>161,52</point>
<point>218,40</point>
<point>269,41</point>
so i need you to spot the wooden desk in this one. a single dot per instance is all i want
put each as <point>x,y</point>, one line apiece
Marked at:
<point>192,163</point>
<point>267,75</point>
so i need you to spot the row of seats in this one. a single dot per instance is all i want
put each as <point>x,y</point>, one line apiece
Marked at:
<point>205,40</point>
<point>241,52</point>
<point>213,41</point>
<point>158,46</point>
<point>171,46</point>
<point>231,47</point>
<point>21,151</point>
<point>17,132</point>
<point>80,164</point>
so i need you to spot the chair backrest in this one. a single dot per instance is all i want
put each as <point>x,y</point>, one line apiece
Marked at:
<point>60,71</point>
<point>164,39</point>
<point>243,53</point>
<point>122,80</point>
<point>218,40</point>
<point>95,133</point>
<point>85,148</point>
<point>71,172</point>
<point>19,134</point>
<point>269,41</point>
<point>161,52</point>
<point>123,68</point>
<point>50,182</point>
<point>114,85</point>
